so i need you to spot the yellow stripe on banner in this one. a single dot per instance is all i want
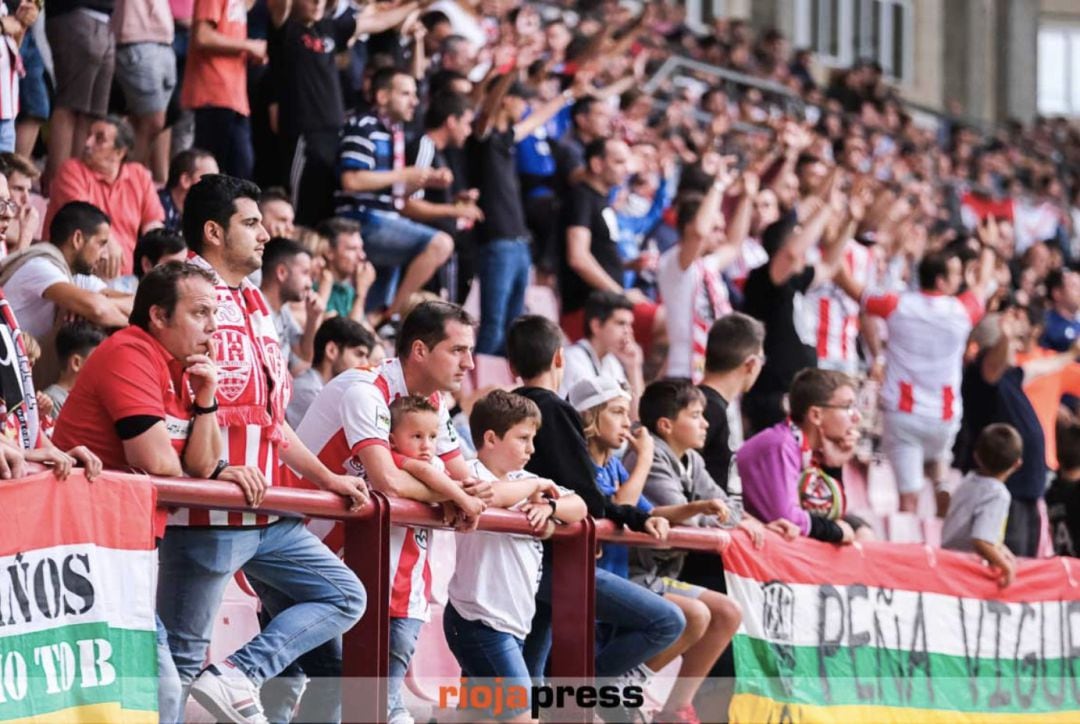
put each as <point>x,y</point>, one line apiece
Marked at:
<point>92,714</point>
<point>754,709</point>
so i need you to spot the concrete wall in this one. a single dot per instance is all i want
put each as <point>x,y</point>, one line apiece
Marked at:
<point>927,86</point>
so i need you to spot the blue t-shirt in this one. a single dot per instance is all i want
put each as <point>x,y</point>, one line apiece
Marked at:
<point>1059,333</point>
<point>615,557</point>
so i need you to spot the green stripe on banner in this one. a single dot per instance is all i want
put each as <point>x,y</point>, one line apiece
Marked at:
<point>871,676</point>
<point>77,665</point>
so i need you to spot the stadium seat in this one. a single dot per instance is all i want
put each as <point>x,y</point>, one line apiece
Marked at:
<point>903,528</point>
<point>540,299</point>
<point>492,370</point>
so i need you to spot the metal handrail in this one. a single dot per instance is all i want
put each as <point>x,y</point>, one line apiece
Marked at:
<point>708,540</point>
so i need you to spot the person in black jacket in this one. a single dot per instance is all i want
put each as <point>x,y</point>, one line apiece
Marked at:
<point>644,623</point>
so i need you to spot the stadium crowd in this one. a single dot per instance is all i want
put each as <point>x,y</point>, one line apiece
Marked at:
<point>247,249</point>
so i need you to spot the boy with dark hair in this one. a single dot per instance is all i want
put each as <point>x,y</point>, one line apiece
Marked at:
<point>74,343</point>
<point>286,279</point>
<point>156,246</point>
<point>1063,497</point>
<point>608,348</point>
<point>979,507</point>
<point>340,344</point>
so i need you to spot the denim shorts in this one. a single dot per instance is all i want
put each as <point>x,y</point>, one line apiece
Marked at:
<point>34,86</point>
<point>484,654</point>
<point>147,74</point>
<point>391,240</point>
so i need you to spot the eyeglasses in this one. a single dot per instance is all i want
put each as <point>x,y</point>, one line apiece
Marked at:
<point>7,206</point>
<point>851,408</point>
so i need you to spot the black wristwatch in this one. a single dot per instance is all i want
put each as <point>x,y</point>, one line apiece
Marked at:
<point>219,469</point>
<point>554,506</point>
<point>196,410</point>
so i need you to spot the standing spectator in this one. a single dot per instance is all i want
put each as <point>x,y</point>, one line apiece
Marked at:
<point>185,170</point>
<point>608,348</point>
<point>347,269</point>
<point>591,121</point>
<point>303,45</point>
<point>375,182</point>
<point>504,257</point>
<point>202,550</point>
<point>14,28</point>
<point>215,82</point>
<point>35,105</point>
<point>21,174</point>
<point>124,191</point>
<point>145,70</point>
<point>340,344</point>
<point>74,343</point>
<point>84,54</point>
<point>286,279</point>
<point>1063,319</point>
<point>156,247</point>
<point>1063,497</point>
<point>928,332</point>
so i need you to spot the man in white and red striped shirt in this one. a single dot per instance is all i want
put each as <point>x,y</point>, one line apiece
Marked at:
<point>836,316</point>
<point>928,332</point>
<point>349,425</point>
<point>202,550</point>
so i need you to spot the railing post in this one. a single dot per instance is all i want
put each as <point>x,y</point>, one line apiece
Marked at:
<point>366,648</point>
<point>573,604</point>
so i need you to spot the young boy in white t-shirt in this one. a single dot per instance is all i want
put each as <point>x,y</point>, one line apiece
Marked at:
<point>492,592</point>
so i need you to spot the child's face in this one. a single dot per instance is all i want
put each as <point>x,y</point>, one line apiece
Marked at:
<point>514,449</point>
<point>613,425</point>
<point>416,434</point>
<point>689,427</point>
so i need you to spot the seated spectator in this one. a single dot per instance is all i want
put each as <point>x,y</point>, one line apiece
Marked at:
<point>124,191</point>
<point>608,348</point>
<point>979,507</point>
<point>74,343</point>
<point>1063,319</point>
<point>348,269</point>
<point>155,247</point>
<point>374,186</point>
<point>821,432</point>
<point>46,281</point>
<point>645,624</point>
<point>286,279</point>
<point>185,170</point>
<point>21,174</point>
<point>1063,497</point>
<point>279,216</point>
<point>493,589</point>
<point>340,344</point>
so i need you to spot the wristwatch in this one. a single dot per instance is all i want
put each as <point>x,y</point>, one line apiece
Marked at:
<point>554,506</point>
<point>196,410</point>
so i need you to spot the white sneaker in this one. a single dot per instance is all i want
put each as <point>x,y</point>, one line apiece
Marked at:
<point>228,695</point>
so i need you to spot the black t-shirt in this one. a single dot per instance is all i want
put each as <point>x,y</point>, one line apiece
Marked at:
<point>1063,508</point>
<point>985,404</point>
<point>494,173</point>
<point>717,451</point>
<point>587,207</point>
<point>308,86</point>
<point>776,307</point>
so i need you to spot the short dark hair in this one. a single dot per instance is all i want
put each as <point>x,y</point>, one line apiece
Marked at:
<point>531,344</point>
<point>408,404</point>
<point>814,387</point>
<point>343,332</point>
<point>1055,279</point>
<point>933,265</point>
<point>75,216</point>
<point>432,18</point>
<point>499,411</point>
<point>280,250</point>
<point>125,134</point>
<point>77,337</point>
<point>184,163</point>
<point>582,106</point>
<point>686,208</point>
<point>330,229</point>
<point>213,199</point>
<point>666,398</point>
<point>275,193</point>
<point>601,304</point>
<point>155,244</point>
<point>997,448</point>
<point>160,288</point>
<point>595,149</point>
<point>778,233</point>
<point>444,106</point>
<point>1068,447</point>
<point>383,79</point>
<point>427,323</point>
<point>732,339</point>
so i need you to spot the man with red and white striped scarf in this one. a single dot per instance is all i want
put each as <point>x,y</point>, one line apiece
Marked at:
<point>202,550</point>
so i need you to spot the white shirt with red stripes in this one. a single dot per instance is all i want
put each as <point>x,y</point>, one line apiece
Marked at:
<point>928,333</point>
<point>835,315</point>
<point>351,413</point>
<point>10,68</point>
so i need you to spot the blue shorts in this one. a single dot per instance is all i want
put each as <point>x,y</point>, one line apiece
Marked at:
<point>34,86</point>
<point>391,240</point>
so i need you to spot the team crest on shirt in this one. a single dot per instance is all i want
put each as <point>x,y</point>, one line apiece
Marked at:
<point>451,431</point>
<point>382,420</point>
<point>421,536</point>
<point>233,363</point>
<point>353,466</point>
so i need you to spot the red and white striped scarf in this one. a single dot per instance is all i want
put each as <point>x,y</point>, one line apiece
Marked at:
<point>707,309</point>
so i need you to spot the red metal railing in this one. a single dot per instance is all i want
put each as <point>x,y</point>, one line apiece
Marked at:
<point>367,553</point>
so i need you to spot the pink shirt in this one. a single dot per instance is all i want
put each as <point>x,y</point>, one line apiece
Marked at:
<point>143,21</point>
<point>130,201</point>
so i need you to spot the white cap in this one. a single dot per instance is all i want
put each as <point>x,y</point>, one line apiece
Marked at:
<point>593,391</point>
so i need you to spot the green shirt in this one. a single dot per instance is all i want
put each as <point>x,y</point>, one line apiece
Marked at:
<point>342,296</point>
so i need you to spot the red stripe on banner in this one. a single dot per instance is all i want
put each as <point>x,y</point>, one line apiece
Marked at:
<point>823,329</point>
<point>907,397</point>
<point>399,594</point>
<point>904,566</point>
<point>39,511</point>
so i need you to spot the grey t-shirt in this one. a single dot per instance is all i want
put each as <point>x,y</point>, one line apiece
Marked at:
<point>289,333</point>
<point>306,387</point>
<point>978,510</point>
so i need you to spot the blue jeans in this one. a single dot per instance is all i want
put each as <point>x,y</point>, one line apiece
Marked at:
<point>403,635</point>
<point>227,135</point>
<point>391,242</point>
<point>169,711</point>
<point>642,624</point>
<point>7,135</point>
<point>314,679</point>
<point>196,565</point>
<point>485,653</point>
<point>504,276</point>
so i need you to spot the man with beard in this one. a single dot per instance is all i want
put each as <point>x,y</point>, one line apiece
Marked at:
<point>286,278</point>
